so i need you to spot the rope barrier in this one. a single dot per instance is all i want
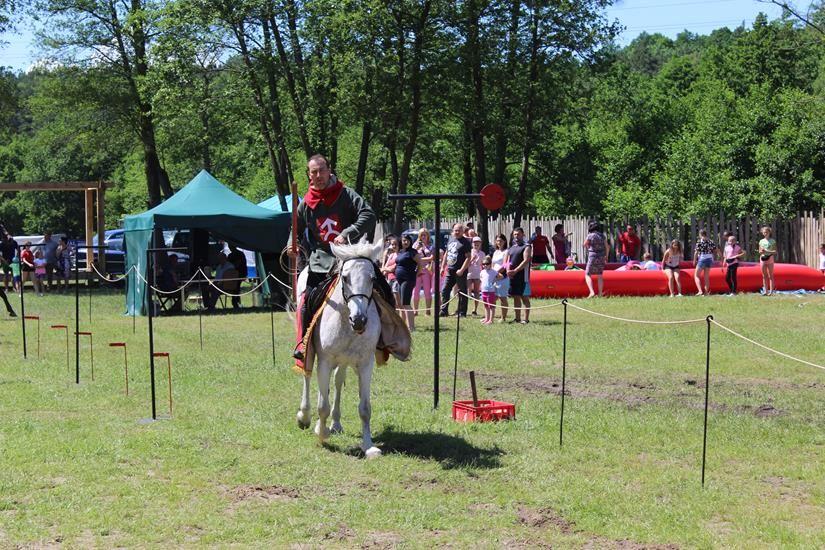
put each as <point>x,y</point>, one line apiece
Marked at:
<point>546,306</point>
<point>170,292</point>
<point>785,355</point>
<point>686,322</point>
<point>116,279</point>
<point>219,289</point>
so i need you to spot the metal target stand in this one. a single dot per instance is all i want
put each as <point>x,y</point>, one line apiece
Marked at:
<point>492,198</point>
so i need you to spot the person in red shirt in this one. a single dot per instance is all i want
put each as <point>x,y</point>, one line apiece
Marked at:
<point>630,244</point>
<point>541,247</point>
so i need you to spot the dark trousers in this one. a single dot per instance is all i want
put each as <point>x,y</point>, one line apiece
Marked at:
<point>6,300</point>
<point>730,277</point>
<point>450,281</point>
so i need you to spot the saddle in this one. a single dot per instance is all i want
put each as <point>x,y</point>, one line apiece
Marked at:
<point>395,338</point>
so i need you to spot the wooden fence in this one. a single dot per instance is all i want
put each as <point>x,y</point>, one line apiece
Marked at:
<point>798,239</point>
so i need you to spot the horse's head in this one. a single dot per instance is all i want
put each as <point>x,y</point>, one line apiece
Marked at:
<point>357,271</point>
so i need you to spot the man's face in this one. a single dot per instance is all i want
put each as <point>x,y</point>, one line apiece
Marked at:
<point>458,230</point>
<point>47,236</point>
<point>631,229</point>
<point>538,231</point>
<point>518,235</point>
<point>318,174</point>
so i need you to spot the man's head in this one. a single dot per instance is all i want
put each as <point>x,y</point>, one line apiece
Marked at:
<point>458,230</point>
<point>538,230</point>
<point>631,229</point>
<point>518,234</point>
<point>47,236</point>
<point>318,171</point>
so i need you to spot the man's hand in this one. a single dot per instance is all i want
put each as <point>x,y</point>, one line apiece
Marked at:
<point>340,239</point>
<point>460,272</point>
<point>511,272</point>
<point>292,253</point>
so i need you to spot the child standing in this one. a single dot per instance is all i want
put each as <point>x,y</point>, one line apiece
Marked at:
<point>15,273</point>
<point>474,273</point>
<point>767,257</point>
<point>39,271</point>
<point>732,254</point>
<point>706,251</point>
<point>670,264</point>
<point>488,290</point>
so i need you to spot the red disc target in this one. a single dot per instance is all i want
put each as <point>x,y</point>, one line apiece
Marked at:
<point>492,196</point>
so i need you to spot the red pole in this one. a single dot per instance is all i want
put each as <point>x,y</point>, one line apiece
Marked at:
<point>293,263</point>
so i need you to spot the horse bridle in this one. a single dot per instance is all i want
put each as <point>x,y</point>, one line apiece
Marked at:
<point>347,298</point>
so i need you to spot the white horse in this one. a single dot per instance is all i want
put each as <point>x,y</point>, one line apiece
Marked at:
<point>346,335</point>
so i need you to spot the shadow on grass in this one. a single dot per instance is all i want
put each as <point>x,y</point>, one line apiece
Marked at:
<point>449,451</point>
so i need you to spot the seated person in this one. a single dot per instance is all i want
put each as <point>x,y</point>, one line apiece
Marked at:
<point>648,263</point>
<point>168,282</point>
<point>225,278</point>
<point>570,265</point>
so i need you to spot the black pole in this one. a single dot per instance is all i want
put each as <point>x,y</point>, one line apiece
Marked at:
<point>563,372</point>
<point>272,325</point>
<point>437,301</point>
<point>89,287</point>
<point>23,312</point>
<point>200,320</point>
<point>455,366</point>
<point>707,394</point>
<point>77,321</point>
<point>151,333</point>
<point>134,298</point>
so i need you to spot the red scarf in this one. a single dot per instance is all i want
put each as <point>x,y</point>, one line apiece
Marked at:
<point>328,195</point>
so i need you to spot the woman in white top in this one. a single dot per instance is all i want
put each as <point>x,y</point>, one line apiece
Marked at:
<point>670,264</point>
<point>501,262</point>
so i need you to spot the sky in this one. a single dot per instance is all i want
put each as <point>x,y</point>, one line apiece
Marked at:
<point>668,17</point>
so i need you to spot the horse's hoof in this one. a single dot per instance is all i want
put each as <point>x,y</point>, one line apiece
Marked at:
<point>336,428</point>
<point>322,432</point>
<point>303,420</point>
<point>373,452</point>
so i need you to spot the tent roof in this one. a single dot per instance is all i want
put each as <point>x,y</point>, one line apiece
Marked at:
<point>273,203</point>
<point>205,203</point>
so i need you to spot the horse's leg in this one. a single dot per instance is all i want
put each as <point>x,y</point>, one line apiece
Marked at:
<point>304,416</point>
<point>324,371</point>
<point>340,378</point>
<point>365,409</point>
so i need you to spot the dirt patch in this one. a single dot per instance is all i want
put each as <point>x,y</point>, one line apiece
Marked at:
<point>341,534</point>
<point>420,481</point>
<point>382,539</point>
<point>765,411</point>
<point>259,493</point>
<point>548,518</point>
<point>544,517</point>
<point>484,507</point>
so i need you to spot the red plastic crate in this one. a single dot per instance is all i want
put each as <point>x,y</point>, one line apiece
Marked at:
<point>486,411</point>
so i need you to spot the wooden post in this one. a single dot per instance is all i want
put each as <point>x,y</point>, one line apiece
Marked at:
<point>89,227</point>
<point>101,223</point>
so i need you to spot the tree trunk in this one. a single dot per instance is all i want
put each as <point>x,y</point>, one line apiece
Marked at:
<point>366,131</point>
<point>333,120</point>
<point>283,176</point>
<point>529,109</point>
<point>298,102</point>
<point>280,186</point>
<point>203,115</point>
<point>478,124</point>
<point>500,164</point>
<point>415,113</point>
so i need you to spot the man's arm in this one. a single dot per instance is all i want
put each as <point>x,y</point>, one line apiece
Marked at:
<point>364,220</point>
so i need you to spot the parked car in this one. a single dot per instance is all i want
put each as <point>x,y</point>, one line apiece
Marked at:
<point>445,236</point>
<point>115,242</point>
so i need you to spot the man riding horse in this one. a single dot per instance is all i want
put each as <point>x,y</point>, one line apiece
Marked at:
<point>329,213</point>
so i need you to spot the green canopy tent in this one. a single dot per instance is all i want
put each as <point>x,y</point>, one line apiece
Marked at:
<point>204,203</point>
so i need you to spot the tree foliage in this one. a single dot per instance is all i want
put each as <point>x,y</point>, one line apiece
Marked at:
<point>418,95</point>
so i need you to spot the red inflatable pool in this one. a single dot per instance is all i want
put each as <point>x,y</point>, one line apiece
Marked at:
<point>570,284</point>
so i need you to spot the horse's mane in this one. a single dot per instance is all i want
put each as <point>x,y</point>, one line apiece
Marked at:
<point>361,249</point>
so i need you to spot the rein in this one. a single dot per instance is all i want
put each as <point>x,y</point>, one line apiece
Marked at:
<point>349,297</point>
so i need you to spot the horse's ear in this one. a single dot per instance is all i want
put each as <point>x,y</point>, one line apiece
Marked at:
<point>375,252</point>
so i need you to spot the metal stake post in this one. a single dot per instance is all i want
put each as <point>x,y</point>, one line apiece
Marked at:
<point>707,395</point>
<point>76,322</point>
<point>437,268</point>
<point>563,372</point>
<point>455,366</point>
<point>23,314</point>
<point>272,325</point>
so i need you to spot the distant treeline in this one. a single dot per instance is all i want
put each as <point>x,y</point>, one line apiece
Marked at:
<point>409,96</point>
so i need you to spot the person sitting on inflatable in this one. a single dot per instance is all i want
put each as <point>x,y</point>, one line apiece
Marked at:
<point>570,265</point>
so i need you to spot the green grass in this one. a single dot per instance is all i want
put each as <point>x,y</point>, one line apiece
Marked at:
<point>232,467</point>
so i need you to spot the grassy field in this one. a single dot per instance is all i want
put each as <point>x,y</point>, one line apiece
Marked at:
<point>78,468</point>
